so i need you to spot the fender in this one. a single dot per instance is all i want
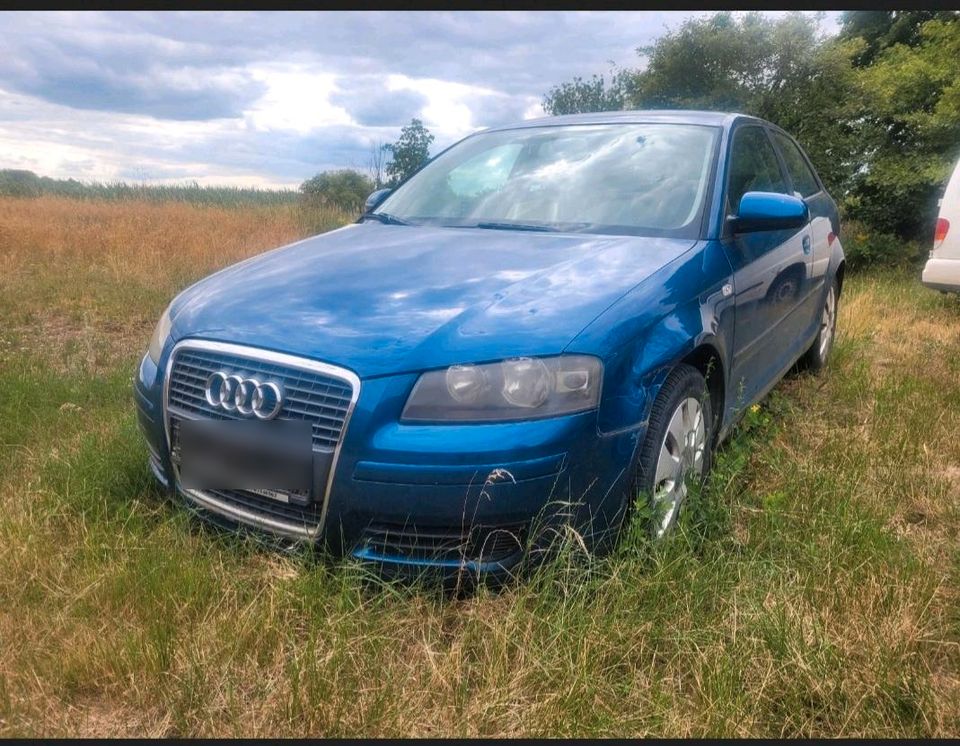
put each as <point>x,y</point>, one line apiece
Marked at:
<point>646,333</point>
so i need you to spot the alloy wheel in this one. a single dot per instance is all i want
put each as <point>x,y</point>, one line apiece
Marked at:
<point>680,460</point>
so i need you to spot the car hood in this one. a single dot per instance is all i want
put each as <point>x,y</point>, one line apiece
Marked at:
<point>382,299</point>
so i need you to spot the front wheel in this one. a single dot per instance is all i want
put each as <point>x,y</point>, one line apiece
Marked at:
<point>816,357</point>
<point>675,454</point>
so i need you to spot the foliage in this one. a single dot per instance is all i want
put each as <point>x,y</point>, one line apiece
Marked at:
<point>865,247</point>
<point>409,152</point>
<point>345,189</point>
<point>909,131</point>
<point>22,183</point>
<point>579,95</point>
<point>880,29</point>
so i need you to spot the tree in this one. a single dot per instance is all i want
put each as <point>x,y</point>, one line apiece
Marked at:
<point>409,152</point>
<point>880,29</point>
<point>580,96</point>
<point>910,129</point>
<point>377,163</point>
<point>346,189</point>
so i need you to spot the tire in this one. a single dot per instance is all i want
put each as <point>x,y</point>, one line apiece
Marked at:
<point>676,451</point>
<point>815,359</point>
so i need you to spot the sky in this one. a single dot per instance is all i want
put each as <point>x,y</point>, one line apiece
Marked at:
<point>268,99</point>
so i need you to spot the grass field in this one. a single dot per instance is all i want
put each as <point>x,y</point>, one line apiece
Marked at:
<point>813,589</point>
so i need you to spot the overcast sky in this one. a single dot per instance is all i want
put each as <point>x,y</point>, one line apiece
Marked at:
<point>269,99</point>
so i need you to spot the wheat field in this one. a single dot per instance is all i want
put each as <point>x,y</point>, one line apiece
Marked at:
<point>811,590</point>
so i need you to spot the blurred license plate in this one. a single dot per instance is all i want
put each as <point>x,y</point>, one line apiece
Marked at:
<point>270,458</point>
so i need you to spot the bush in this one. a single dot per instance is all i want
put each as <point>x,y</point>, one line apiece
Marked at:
<point>867,247</point>
<point>15,182</point>
<point>344,189</point>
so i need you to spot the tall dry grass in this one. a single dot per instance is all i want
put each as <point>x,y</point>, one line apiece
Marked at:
<point>77,269</point>
<point>147,242</point>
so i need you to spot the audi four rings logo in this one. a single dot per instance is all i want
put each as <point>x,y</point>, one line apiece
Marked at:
<point>247,396</point>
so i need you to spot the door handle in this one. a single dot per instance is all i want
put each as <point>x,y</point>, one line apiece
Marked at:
<point>806,244</point>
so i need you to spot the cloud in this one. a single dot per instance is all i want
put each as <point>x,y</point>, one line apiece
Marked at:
<point>497,110</point>
<point>118,72</point>
<point>297,98</point>
<point>370,103</point>
<point>270,98</point>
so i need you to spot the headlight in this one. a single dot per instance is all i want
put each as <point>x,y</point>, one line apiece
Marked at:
<point>160,335</point>
<point>517,389</point>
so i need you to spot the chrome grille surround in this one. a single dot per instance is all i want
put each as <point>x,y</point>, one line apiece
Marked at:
<point>332,406</point>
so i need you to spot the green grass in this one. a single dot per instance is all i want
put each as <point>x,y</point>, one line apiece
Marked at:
<point>811,589</point>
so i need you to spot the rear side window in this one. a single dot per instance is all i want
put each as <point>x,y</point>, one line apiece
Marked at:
<point>753,166</point>
<point>800,173</point>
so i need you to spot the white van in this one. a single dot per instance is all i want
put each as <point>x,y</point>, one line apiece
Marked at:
<point>942,271</point>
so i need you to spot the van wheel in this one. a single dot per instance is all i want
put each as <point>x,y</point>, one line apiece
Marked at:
<point>816,357</point>
<point>675,454</point>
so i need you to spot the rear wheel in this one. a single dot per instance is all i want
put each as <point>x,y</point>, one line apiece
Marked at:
<point>675,454</point>
<point>816,357</point>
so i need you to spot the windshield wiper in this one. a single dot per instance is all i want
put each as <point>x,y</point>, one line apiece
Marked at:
<point>513,227</point>
<point>384,217</point>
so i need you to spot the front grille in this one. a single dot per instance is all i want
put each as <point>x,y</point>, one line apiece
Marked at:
<point>323,399</point>
<point>479,544</point>
<point>308,395</point>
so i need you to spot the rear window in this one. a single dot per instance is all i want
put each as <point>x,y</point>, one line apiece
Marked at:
<point>800,172</point>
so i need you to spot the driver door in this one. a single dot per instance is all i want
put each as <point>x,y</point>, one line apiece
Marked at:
<point>771,273</point>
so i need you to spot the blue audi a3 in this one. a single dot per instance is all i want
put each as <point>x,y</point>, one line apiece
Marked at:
<point>547,325</point>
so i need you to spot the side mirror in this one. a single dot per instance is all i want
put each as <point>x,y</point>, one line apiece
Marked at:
<point>375,199</point>
<point>768,211</point>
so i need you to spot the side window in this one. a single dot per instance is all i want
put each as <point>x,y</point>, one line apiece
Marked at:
<point>803,179</point>
<point>753,166</point>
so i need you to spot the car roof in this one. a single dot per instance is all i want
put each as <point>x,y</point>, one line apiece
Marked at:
<point>671,116</point>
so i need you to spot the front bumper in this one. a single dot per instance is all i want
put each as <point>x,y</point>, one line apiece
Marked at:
<point>942,274</point>
<point>408,497</point>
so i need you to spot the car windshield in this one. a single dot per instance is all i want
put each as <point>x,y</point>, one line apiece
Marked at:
<point>641,179</point>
